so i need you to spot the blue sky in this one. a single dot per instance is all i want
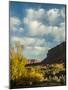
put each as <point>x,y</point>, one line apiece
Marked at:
<point>39,27</point>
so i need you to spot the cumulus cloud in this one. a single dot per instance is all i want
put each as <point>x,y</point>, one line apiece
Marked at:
<point>60,33</point>
<point>39,23</point>
<point>21,29</point>
<point>28,41</point>
<point>56,16</point>
<point>36,27</point>
<point>33,47</point>
<point>15,23</point>
<point>57,32</point>
<point>35,14</point>
<point>35,52</point>
<point>53,15</point>
<point>63,12</point>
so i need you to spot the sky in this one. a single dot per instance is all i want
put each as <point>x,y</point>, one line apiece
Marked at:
<point>37,26</point>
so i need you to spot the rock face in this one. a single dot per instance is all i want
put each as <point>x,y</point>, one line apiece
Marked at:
<point>56,54</point>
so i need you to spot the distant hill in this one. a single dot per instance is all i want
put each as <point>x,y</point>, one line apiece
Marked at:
<point>32,61</point>
<point>56,54</point>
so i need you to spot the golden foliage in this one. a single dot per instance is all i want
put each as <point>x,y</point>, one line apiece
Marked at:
<point>17,63</point>
<point>17,67</point>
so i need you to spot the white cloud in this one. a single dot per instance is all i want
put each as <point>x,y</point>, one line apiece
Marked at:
<point>35,21</point>
<point>59,34</point>
<point>14,21</point>
<point>36,52</point>
<point>35,14</point>
<point>23,40</point>
<point>27,41</point>
<point>21,29</point>
<point>37,49</point>
<point>41,48</point>
<point>32,47</point>
<point>36,27</point>
<point>15,24</point>
<point>53,15</point>
<point>62,12</point>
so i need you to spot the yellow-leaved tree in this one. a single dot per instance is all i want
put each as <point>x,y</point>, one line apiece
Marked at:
<point>17,62</point>
<point>19,74</point>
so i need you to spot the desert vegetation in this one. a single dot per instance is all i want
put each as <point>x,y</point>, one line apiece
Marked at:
<point>20,76</point>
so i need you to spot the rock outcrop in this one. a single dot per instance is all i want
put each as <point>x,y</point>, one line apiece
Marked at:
<point>56,54</point>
